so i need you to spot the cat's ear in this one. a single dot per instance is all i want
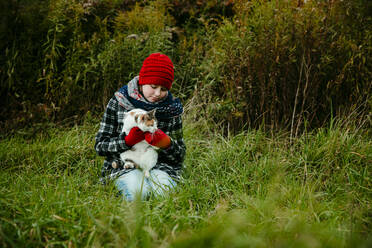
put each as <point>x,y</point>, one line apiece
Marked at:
<point>152,113</point>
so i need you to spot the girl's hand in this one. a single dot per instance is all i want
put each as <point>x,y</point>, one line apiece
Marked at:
<point>158,139</point>
<point>135,135</point>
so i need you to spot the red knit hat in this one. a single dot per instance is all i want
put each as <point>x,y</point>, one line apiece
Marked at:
<point>157,69</point>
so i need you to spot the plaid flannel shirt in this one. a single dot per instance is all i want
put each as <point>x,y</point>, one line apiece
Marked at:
<point>110,143</point>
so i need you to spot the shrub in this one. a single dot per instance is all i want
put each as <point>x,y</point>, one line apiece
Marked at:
<point>22,25</point>
<point>284,65</point>
<point>78,31</point>
<point>67,57</point>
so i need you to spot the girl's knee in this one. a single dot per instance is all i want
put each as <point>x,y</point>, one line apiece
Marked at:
<point>132,184</point>
<point>161,182</point>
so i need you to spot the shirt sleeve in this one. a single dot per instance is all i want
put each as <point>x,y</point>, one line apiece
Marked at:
<point>108,140</point>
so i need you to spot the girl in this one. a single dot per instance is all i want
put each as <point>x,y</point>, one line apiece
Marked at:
<point>147,91</point>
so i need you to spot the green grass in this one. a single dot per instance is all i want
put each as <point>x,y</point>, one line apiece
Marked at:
<point>249,190</point>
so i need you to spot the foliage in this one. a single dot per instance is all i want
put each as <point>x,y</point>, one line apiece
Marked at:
<point>22,25</point>
<point>251,189</point>
<point>277,64</point>
<point>151,18</point>
<point>194,13</point>
<point>284,65</point>
<point>83,53</point>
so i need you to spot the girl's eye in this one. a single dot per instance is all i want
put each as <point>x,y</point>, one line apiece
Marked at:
<point>157,86</point>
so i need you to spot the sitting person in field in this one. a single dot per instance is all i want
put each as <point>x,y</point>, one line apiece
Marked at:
<point>148,91</point>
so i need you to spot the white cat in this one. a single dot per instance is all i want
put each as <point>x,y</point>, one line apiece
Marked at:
<point>141,155</point>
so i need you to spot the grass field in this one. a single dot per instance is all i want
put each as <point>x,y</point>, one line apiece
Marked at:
<point>248,190</point>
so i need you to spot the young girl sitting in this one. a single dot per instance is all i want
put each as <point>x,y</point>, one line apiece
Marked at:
<point>148,91</point>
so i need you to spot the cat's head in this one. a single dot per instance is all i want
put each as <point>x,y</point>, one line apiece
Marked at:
<point>145,120</point>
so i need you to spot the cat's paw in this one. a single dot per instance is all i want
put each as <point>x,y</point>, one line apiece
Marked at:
<point>114,165</point>
<point>129,165</point>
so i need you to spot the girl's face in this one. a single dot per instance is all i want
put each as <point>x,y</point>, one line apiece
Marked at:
<point>154,93</point>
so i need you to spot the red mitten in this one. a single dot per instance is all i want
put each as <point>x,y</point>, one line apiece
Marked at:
<point>134,136</point>
<point>158,139</point>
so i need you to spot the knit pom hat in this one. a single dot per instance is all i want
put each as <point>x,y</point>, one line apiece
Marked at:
<point>157,69</point>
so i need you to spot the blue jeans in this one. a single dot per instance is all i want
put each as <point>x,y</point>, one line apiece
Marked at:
<point>135,184</point>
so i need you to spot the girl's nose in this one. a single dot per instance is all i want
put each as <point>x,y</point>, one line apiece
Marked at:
<point>157,91</point>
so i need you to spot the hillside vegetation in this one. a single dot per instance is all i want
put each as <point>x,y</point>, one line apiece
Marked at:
<point>246,64</point>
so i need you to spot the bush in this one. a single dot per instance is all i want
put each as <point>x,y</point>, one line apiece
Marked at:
<point>282,65</point>
<point>75,54</point>
<point>271,63</point>
<point>22,26</point>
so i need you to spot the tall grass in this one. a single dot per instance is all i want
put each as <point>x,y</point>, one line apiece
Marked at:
<point>248,190</point>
